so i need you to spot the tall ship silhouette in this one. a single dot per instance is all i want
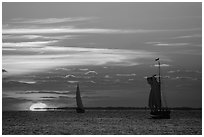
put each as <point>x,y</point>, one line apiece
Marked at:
<point>158,111</point>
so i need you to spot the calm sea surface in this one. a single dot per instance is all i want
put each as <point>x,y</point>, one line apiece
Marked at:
<point>100,122</point>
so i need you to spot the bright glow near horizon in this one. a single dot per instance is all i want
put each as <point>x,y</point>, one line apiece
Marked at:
<point>38,107</point>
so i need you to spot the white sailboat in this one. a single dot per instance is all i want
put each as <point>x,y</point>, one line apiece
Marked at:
<point>155,102</point>
<point>80,107</point>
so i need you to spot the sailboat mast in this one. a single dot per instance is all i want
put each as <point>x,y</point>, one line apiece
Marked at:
<point>159,74</point>
<point>157,59</point>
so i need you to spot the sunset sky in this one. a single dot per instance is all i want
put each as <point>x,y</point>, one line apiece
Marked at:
<point>109,48</point>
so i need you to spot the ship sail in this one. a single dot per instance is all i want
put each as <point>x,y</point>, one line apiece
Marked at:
<point>80,107</point>
<point>155,93</point>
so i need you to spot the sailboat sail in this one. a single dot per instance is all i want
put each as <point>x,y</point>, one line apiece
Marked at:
<point>155,93</point>
<point>80,107</point>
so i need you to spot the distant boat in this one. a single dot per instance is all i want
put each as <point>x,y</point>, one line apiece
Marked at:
<point>158,111</point>
<point>80,107</point>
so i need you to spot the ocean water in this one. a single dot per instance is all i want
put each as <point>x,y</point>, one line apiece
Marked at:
<point>100,122</point>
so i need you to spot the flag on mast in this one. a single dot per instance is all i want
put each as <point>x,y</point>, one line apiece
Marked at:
<point>156,59</point>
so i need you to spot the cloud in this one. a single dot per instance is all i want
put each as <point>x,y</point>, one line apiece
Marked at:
<point>107,76</point>
<point>162,65</point>
<point>51,20</point>
<point>117,81</point>
<point>20,36</point>
<point>126,75</point>
<point>171,44</point>
<point>52,57</point>
<point>27,82</point>
<point>85,69</point>
<point>64,69</point>
<point>197,50</point>
<point>184,78</point>
<point>32,37</point>
<point>185,72</point>
<point>152,43</point>
<point>44,91</point>
<point>74,30</point>
<point>8,49</point>
<point>188,36</point>
<point>130,79</point>
<point>70,76</point>
<point>166,44</point>
<point>48,97</point>
<point>35,44</point>
<point>13,103</point>
<point>72,82</point>
<point>91,72</point>
<point>35,95</point>
<point>174,71</point>
<point>92,81</point>
<point>197,71</point>
<point>68,30</point>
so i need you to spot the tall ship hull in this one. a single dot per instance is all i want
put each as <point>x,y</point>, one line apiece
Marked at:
<point>160,114</point>
<point>79,110</point>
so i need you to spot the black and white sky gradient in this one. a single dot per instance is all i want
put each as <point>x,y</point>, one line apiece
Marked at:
<point>109,48</point>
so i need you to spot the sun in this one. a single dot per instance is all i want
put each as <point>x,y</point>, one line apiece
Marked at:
<point>38,107</point>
